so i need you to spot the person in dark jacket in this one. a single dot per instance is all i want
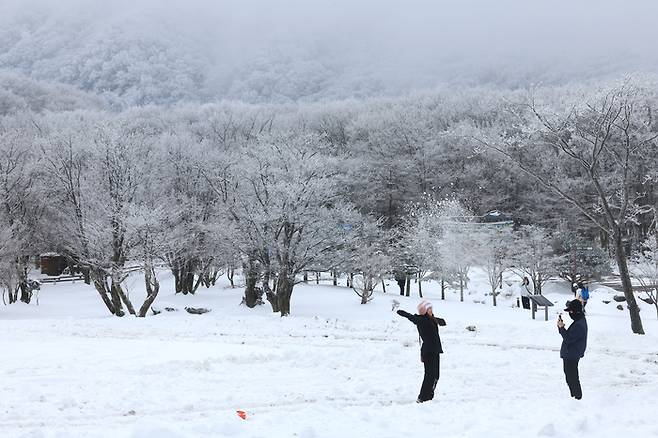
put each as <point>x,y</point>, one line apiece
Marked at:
<point>428,329</point>
<point>574,343</point>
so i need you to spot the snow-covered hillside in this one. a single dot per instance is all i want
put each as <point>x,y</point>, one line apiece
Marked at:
<point>141,52</point>
<point>334,368</point>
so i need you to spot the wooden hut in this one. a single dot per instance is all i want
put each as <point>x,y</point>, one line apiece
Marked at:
<point>52,263</point>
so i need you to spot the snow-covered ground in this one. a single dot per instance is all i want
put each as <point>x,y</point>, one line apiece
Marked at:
<point>334,368</point>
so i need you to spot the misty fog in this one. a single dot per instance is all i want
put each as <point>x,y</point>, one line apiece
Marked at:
<point>289,50</point>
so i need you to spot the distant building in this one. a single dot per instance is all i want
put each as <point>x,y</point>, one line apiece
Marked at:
<point>495,217</point>
<point>52,263</point>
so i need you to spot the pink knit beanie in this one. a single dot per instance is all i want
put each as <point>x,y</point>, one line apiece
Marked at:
<point>423,307</point>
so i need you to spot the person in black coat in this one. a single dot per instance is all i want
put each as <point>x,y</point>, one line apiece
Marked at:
<point>428,329</point>
<point>574,343</point>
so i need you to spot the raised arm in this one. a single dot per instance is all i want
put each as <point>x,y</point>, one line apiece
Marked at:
<point>409,316</point>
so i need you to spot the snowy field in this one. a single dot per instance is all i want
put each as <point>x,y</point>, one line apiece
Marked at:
<point>334,368</point>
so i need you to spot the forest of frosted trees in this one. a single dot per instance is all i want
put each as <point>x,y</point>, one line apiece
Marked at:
<point>380,188</point>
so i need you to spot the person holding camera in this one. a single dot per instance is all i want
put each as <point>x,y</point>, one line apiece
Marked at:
<point>428,329</point>
<point>574,343</point>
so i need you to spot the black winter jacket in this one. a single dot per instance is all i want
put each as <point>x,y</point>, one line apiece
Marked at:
<point>574,339</point>
<point>428,329</point>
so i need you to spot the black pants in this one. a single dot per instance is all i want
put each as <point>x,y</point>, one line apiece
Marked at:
<point>525,301</point>
<point>571,374</point>
<point>431,363</point>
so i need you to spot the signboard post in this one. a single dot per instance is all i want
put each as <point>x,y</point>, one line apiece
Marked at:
<point>539,300</point>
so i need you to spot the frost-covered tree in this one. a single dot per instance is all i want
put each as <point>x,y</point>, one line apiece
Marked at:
<point>190,252</point>
<point>243,229</point>
<point>532,256</point>
<point>22,205</point>
<point>21,94</point>
<point>127,58</point>
<point>286,206</point>
<point>96,167</point>
<point>644,269</point>
<point>368,255</point>
<point>494,244</point>
<point>440,238</point>
<point>580,259</point>
<point>588,151</point>
<point>421,239</point>
<point>396,147</point>
<point>147,237</point>
<point>458,244</point>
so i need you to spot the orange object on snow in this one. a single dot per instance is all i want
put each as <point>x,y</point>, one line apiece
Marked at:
<point>242,414</point>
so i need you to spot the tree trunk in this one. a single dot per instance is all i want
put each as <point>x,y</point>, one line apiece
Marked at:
<point>400,279</point>
<point>187,281</point>
<point>443,289</point>
<point>116,286</point>
<point>624,275</point>
<point>368,288</point>
<point>100,288</point>
<point>265,288</point>
<point>26,290</point>
<point>420,286</point>
<point>266,280</point>
<point>177,283</point>
<point>189,284</point>
<point>210,273</point>
<point>152,288</point>
<point>335,280</point>
<point>175,265</point>
<point>13,294</point>
<point>116,300</point>
<point>408,285</point>
<point>209,277</point>
<point>284,292</point>
<point>251,274</point>
<point>184,273</point>
<point>86,275</point>
<point>229,274</point>
<point>461,288</point>
<point>273,300</point>
<point>111,301</point>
